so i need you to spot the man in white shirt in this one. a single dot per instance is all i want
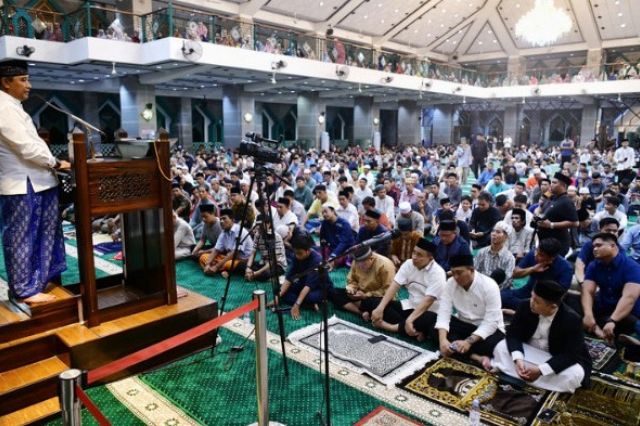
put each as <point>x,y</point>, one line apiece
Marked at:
<point>368,174</point>
<point>424,280</point>
<point>625,158</point>
<point>363,191</point>
<point>348,211</point>
<point>284,218</point>
<point>32,238</point>
<point>385,204</point>
<point>477,325</point>
<point>183,239</point>
<point>611,210</point>
<point>545,343</point>
<point>221,258</point>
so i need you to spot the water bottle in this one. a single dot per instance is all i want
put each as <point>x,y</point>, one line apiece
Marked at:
<point>474,413</point>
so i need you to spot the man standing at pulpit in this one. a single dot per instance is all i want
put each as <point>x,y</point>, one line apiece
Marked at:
<point>32,234</point>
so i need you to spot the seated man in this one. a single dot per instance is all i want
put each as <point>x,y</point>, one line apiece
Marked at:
<point>306,289</point>
<point>630,242</point>
<point>424,280</point>
<point>542,263</point>
<point>261,271</point>
<point>545,343</point>
<point>183,239</point>
<point>372,228</point>
<point>585,257</point>
<point>370,276</point>
<point>520,239</point>
<point>615,308</point>
<point>476,327</point>
<point>211,231</point>
<point>337,234</point>
<point>496,260</point>
<point>402,247</point>
<point>448,244</point>
<point>417,220</point>
<point>221,258</point>
<point>483,218</point>
<point>611,205</point>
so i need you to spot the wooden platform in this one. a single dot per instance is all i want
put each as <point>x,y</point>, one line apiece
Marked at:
<point>29,365</point>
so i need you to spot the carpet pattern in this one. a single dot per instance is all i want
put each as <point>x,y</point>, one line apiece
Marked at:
<point>382,416</point>
<point>148,405</point>
<point>456,385</point>
<point>604,402</point>
<point>387,361</point>
<point>429,412</point>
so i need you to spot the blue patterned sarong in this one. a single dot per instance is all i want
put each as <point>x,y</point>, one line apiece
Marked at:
<point>32,240</point>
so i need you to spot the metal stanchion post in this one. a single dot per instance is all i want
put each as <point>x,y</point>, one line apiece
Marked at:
<point>69,402</point>
<point>262,370</point>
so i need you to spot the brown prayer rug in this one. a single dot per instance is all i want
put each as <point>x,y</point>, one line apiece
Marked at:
<point>455,384</point>
<point>382,416</point>
<point>603,402</point>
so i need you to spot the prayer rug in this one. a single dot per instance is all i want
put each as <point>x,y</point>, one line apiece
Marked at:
<point>382,416</point>
<point>603,402</point>
<point>456,385</point>
<point>388,360</point>
<point>148,405</point>
<point>602,356</point>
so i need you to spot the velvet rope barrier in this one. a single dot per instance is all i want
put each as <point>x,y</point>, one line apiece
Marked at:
<point>167,344</point>
<point>93,409</point>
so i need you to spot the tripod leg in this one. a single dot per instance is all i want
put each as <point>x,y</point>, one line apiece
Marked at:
<point>282,337</point>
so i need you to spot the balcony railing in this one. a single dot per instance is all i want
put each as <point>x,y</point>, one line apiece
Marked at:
<point>91,20</point>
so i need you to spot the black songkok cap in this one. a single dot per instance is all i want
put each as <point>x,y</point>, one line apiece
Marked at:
<point>226,212</point>
<point>362,253</point>
<point>404,224</point>
<point>549,290</point>
<point>448,225</point>
<point>374,214</point>
<point>562,178</point>
<point>206,208</point>
<point>13,68</point>
<point>234,190</point>
<point>175,185</point>
<point>426,245</point>
<point>461,260</point>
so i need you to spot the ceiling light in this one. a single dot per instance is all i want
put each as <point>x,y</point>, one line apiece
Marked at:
<point>544,24</point>
<point>619,13</point>
<point>623,25</point>
<point>321,3</point>
<point>113,69</point>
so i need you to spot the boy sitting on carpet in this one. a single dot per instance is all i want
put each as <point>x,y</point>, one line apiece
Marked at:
<point>307,288</point>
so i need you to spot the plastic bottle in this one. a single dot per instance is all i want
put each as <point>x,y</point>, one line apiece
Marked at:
<point>474,413</point>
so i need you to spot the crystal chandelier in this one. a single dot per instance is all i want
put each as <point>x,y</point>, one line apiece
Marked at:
<point>544,24</point>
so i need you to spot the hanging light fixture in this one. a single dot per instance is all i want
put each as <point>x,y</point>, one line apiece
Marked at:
<point>544,24</point>
<point>113,69</point>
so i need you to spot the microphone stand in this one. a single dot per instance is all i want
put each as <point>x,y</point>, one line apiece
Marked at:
<point>88,126</point>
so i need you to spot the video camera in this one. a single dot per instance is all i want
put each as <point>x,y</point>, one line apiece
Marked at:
<point>259,152</point>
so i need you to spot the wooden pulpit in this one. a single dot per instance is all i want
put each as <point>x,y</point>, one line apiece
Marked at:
<point>137,190</point>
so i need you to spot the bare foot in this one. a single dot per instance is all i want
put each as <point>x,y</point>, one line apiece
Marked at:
<point>316,307</point>
<point>366,316</point>
<point>39,298</point>
<point>420,337</point>
<point>509,312</point>
<point>224,274</point>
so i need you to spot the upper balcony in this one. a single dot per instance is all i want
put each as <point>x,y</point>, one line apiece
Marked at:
<point>95,34</point>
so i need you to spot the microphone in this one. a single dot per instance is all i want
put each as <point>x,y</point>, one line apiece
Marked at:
<point>387,236</point>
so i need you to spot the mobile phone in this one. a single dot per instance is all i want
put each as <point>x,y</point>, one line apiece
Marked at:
<point>378,338</point>
<point>547,416</point>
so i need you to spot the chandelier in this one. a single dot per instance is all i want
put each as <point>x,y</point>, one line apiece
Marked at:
<point>544,24</point>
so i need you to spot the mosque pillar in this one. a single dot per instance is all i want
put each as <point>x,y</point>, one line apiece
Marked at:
<point>510,127</point>
<point>409,117</point>
<point>588,123</point>
<point>364,111</point>
<point>238,111</point>
<point>134,99</point>
<point>442,124</point>
<point>185,123</point>
<point>311,120</point>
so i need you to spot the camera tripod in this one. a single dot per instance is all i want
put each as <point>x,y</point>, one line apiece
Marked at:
<point>259,180</point>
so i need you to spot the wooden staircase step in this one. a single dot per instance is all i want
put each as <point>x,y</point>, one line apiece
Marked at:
<point>10,313</point>
<point>30,373</point>
<point>32,413</point>
<point>22,387</point>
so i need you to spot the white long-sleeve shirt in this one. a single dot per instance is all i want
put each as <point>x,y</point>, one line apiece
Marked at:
<point>23,154</point>
<point>387,206</point>
<point>625,158</point>
<point>479,305</point>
